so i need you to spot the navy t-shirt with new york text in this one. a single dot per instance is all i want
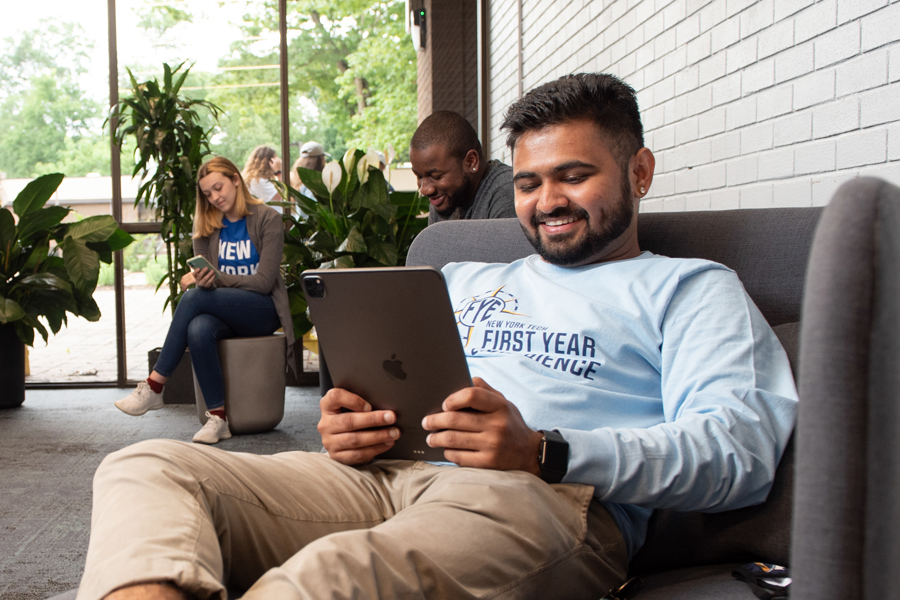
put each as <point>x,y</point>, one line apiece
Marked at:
<point>237,254</point>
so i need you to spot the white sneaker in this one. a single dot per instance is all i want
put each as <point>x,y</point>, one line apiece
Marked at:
<point>215,429</point>
<point>140,400</point>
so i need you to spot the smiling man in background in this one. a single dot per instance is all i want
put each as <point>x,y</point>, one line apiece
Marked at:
<point>451,171</point>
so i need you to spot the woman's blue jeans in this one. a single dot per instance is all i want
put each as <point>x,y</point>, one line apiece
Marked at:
<point>205,316</point>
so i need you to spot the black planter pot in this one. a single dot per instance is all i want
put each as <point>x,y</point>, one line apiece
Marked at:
<point>179,389</point>
<point>12,368</point>
<point>298,377</point>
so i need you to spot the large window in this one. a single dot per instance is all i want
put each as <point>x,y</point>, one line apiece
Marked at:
<point>350,73</point>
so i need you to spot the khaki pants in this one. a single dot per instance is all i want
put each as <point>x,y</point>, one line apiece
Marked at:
<point>300,525</point>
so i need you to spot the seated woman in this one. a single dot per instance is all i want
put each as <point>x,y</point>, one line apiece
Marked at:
<point>263,165</point>
<point>243,239</point>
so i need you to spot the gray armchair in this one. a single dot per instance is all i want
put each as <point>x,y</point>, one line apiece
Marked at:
<point>846,541</point>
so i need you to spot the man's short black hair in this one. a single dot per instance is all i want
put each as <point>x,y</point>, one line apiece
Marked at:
<point>599,97</point>
<point>450,130</point>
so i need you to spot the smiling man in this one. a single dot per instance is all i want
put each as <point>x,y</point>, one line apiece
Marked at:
<point>607,382</point>
<point>451,171</point>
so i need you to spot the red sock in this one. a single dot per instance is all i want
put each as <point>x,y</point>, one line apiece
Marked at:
<point>156,386</point>
<point>219,412</point>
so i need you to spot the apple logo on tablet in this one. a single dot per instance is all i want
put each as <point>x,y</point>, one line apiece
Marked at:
<point>394,368</point>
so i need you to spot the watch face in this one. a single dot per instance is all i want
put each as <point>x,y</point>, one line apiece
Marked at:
<point>556,455</point>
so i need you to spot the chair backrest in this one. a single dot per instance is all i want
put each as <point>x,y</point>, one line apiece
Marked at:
<point>769,250</point>
<point>847,520</point>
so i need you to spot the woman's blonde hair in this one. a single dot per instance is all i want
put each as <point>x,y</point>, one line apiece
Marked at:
<point>258,166</point>
<point>208,218</point>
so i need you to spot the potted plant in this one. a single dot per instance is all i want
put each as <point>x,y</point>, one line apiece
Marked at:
<point>352,222</point>
<point>47,269</point>
<point>171,145</point>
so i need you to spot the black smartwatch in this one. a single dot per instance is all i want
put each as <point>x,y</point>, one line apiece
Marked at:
<point>553,456</point>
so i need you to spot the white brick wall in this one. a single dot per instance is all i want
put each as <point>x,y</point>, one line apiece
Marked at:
<point>746,103</point>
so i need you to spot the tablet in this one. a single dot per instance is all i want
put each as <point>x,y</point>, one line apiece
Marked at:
<point>389,336</point>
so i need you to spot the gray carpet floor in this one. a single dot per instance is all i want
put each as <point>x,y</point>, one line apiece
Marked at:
<point>49,449</point>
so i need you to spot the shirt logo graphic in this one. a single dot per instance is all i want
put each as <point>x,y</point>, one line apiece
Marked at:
<point>479,309</point>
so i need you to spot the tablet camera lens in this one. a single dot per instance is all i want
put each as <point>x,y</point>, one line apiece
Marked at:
<point>315,287</point>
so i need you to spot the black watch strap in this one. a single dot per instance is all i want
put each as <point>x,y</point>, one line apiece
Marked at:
<point>553,456</point>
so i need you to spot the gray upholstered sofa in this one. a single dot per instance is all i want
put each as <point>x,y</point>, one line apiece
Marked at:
<point>846,518</point>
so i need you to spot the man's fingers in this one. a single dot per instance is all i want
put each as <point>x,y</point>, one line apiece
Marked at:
<point>337,400</point>
<point>355,421</point>
<point>483,399</point>
<point>460,420</point>
<point>358,456</point>
<point>467,458</point>
<point>481,383</point>
<point>360,440</point>
<point>458,440</point>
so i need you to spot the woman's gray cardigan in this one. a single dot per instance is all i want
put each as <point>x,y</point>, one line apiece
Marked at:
<point>264,225</point>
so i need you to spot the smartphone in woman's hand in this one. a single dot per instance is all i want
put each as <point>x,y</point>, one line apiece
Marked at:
<point>200,262</point>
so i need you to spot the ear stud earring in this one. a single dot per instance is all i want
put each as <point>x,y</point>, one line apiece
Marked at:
<point>643,190</point>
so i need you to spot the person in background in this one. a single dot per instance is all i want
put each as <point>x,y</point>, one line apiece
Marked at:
<point>452,172</point>
<point>312,156</point>
<point>245,296</point>
<point>263,165</point>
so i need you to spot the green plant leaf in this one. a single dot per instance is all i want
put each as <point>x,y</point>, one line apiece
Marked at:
<point>119,240</point>
<point>341,262</point>
<point>376,187</point>
<point>102,251</point>
<point>82,264</point>
<point>384,252</point>
<point>55,320</point>
<point>36,193</point>
<point>10,311</point>
<point>87,307</point>
<point>37,325</point>
<point>40,221</point>
<point>46,281</point>
<point>38,254</point>
<point>44,301</point>
<point>385,210</point>
<point>25,332</point>
<point>321,241</point>
<point>302,324</point>
<point>296,301</point>
<point>328,222</point>
<point>313,180</point>
<point>93,229</point>
<point>7,228</point>
<point>353,243</point>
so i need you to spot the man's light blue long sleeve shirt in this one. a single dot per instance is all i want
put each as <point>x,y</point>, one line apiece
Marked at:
<point>668,384</point>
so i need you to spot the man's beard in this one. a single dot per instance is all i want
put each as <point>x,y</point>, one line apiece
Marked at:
<point>460,199</point>
<point>592,242</point>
